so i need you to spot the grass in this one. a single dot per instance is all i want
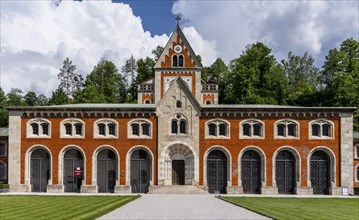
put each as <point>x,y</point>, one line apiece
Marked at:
<point>300,208</point>
<point>59,207</point>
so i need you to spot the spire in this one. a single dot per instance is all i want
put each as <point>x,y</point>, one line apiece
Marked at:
<point>178,18</point>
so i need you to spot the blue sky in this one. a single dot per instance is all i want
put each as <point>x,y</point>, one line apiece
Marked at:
<point>36,36</point>
<point>156,16</point>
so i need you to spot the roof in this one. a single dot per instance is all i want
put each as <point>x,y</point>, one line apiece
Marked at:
<point>4,132</point>
<point>273,107</point>
<point>89,106</point>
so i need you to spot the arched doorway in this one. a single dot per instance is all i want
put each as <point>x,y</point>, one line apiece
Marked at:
<point>285,172</point>
<point>106,171</point>
<point>40,170</point>
<point>319,172</point>
<point>73,170</point>
<point>217,172</point>
<point>251,172</point>
<point>140,171</point>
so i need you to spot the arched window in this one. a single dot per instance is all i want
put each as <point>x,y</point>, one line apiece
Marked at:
<point>3,149</point>
<point>72,128</point>
<point>208,102</point>
<point>147,101</point>
<point>321,129</point>
<point>105,128</point>
<point>180,61</point>
<point>38,128</point>
<point>179,125</point>
<point>252,128</point>
<point>357,172</point>
<point>179,104</point>
<point>217,128</point>
<point>140,128</point>
<point>174,61</point>
<point>286,129</point>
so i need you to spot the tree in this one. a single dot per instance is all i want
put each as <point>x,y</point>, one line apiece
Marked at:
<point>4,115</point>
<point>70,81</point>
<point>31,98</point>
<point>103,85</point>
<point>256,78</point>
<point>340,77</point>
<point>42,100</point>
<point>302,78</point>
<point>157,52</point>
<point>129,71</point>
<point>15,97</point>
<point>59,97</point>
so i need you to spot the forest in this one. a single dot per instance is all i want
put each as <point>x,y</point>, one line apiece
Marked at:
<point>255,77</point>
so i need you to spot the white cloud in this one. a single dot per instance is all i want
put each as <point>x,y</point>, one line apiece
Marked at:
<point>36,37</point>
<point>298,26</point>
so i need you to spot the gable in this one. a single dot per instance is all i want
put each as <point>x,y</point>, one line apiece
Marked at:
<point>178,38</point>
<point>178,90</point>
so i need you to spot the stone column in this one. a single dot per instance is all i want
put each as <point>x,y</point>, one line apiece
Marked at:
<point>346,151</point>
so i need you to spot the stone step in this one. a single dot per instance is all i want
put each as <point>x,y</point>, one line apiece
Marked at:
<point>179,189</point>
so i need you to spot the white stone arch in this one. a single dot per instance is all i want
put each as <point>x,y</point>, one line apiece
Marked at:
<point>38,121</point>
<point>263,164</point>
<point>174,118</point>
<point>252,121</point>
<point>173,150</point>
<point>321,120</point>
<point>94,162</point>
<point>275,129</point>
<point>229,163</point>
<point>28,161</point>
<point>332,167</point>
<point>72,121</point>
<point>61,161</point>
<point>139,120</point>
<point>297,157</point>
<point>228,136</point>
<point>128,163</point>
<point>106,121</point>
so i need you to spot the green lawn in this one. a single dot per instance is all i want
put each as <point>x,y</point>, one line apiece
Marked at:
<point>59,207</point>
<point>300,208</point>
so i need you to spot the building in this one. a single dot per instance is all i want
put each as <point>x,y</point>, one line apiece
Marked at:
<point>178,134</point>
<point>356,159</point>
<point>4,134</point>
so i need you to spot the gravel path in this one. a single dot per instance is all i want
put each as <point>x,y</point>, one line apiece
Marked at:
<point>172,206</point>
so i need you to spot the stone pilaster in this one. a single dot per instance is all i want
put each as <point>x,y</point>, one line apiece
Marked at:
<point>346,152</point>
<point>14,167</point>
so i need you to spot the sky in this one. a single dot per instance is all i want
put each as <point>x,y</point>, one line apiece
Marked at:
<point>36,36</point>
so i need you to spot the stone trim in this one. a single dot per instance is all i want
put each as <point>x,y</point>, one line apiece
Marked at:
<point>27,169</point>
<point>286,121</point>
<point>128,163</point>
<point>39,122</point>
<point>106,121</point>
<point>140,136</point>
<point>94,163</point>
<point>217,121</point>
<point>229,163</point>
<point>298,161</point>
<point>321,121</point>
<point>62,153</point>
<point>263,164</point>
<point>251,121</point>
<point>332,167</point>
<point>72,121</point>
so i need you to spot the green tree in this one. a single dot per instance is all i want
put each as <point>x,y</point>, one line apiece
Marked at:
<point>157,52</point>
<point>4,115</point>
<point>256,78</point>
<point>31,98</point>
<point>302,79</point>
<point>70,81</point>
<point>103,85</point>
<point>340,77</point>
<point>15,98</point>
<point>42,100</point>
<point>59,97</point>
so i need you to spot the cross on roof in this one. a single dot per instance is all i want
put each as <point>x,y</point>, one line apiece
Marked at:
<point>178,18</point>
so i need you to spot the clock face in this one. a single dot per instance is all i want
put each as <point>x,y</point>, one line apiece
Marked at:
<point>178,49</point>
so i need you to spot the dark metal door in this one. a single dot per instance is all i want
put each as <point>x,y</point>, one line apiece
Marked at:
<point>40,171</point>
<point>72,159</point>
<point>285,172</point>
<point>177,172</point>
<point>106,171</point>
<point>217,172</point>
<point>140,171</point>
<point>251,172</point>
<point>319,172</point>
